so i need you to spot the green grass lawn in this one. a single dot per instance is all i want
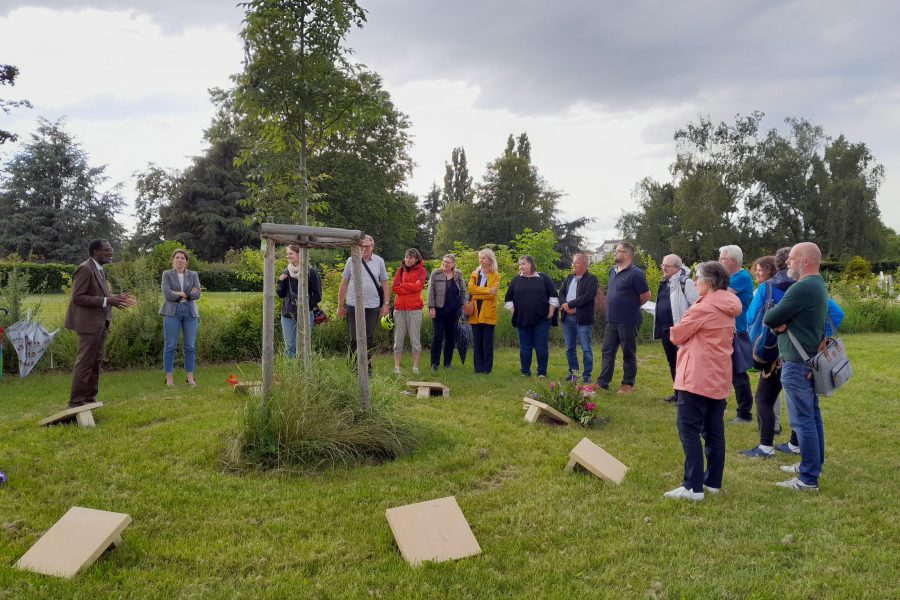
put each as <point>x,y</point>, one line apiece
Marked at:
<point>201,531</point>
<point>52,307</point>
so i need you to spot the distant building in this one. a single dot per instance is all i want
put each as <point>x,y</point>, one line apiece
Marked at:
<point>605,250</point>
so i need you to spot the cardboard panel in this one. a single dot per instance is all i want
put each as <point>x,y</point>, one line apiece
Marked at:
<point>69,413</point>
<point>74,542</point>
<point>597,460</point>
<point>434,530</point>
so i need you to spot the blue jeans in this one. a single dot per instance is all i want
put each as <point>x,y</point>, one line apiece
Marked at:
<point>701,416</point>
<point>573,332</point>
<point>534,337</point>
<point>289,333</point>
<point>183,321</point>
<point>806,419</point>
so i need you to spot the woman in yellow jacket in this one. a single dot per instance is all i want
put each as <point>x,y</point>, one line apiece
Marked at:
<point>484,283</point>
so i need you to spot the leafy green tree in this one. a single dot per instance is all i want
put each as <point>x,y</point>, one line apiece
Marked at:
<point>8,74</point>
<point>457,181</point>
<point>296,91</point>
<point>430,217</point>
<point>457,224</point>
<point>541,245</point>
<point>51,200</point>
<point>568,241</point>
<point>512,197</point>
<point>155,187</point>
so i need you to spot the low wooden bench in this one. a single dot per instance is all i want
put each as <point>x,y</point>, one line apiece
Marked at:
<point>83,415</point>
<point>248,388</point>
<point>75,542</point>
<point>427,389</point>
<point>535,409</point>
<point>593,458</point>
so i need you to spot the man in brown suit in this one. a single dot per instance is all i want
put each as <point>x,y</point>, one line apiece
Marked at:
<point>88,315</point>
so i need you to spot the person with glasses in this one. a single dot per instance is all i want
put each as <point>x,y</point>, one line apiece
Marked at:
<point>374,278</point>
<point>676,293</point>
<point>703,380</point>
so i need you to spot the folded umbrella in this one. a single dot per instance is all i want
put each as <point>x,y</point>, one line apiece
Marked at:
<point>30,340</point>
<point>463,338</point>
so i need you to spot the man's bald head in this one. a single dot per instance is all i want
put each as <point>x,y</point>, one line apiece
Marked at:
<point>804,260</point>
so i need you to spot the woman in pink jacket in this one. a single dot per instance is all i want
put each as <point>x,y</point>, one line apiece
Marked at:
<point>703,380</point>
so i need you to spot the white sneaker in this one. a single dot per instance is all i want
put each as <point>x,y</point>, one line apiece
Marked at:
<point>790,468</point>
<point>712,490</point>
<point>415,370</point>
<point>682,493</point>
<point>797,485</point>
<point>396,370</point>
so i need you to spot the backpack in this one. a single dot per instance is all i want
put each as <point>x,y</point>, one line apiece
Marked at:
<point>763,341</point>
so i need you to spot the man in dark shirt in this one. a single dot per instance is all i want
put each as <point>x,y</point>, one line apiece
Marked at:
<point>627,291</point>
<point>802,311</point>
<point>577,310</point>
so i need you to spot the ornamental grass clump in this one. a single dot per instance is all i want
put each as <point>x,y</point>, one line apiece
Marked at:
<point>573,399</point>
<point>314,423</point>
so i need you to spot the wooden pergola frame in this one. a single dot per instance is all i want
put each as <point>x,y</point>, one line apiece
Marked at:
<point>308,237</point>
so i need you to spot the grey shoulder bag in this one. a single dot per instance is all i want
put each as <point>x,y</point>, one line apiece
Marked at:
<point>830,366</point>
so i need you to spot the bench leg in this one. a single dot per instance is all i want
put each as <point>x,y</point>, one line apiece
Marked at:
<point>532,415</point>
<point>570,465</point>
<point>85,418</point>
<point>424,392</point>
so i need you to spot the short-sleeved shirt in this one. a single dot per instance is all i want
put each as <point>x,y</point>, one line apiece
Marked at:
<point>370,292</point>
<point>742,284</point>
<point>623,297</point>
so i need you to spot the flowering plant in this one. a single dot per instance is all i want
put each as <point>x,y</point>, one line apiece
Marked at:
<point>573,399</point>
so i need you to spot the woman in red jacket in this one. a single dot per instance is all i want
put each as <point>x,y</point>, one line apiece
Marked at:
<point>409,281</point>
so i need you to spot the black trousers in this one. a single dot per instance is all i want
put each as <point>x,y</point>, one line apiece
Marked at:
<point>744,395</point>
<point>701,416</point>
<point>671,351</point>
<point>615,335</point>
<point>483,342</point>
<point>371,322</point>
<point>767,391</point>
<point>444,337</point>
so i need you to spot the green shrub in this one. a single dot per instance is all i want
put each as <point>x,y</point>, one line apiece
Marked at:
<point>47,278</point>
<point>857,269</point>
<point>311,423</point>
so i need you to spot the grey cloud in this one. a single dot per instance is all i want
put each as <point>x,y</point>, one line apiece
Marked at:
<point>539,57</point>
<point>172,15</point>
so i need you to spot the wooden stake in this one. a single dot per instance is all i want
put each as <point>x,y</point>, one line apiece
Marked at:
<point>268,324</point>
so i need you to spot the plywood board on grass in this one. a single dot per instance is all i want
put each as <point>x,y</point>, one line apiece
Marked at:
<point>535,409</point>
<point>435,530</point>
<point>424,389</point>
<point>83,415</point>
<point>598,461</point>
<point>74,542</point>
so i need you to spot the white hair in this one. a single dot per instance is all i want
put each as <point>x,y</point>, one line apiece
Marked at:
<point>733,252</point>
<point>674,259</point>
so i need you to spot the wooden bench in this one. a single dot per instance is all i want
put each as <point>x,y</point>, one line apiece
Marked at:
<point>75,542</point>
<point>252,388</point>
<point>83,415</point>
<point>593,458</point>
<point>535,409</point>
<point>427,389</point>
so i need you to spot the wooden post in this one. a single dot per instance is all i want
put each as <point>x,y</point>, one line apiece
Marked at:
<point>303,307</point>
<point>268,324</point>
<point>362,346</point>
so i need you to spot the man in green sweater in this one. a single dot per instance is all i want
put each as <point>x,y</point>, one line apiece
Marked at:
<point>803,310</point>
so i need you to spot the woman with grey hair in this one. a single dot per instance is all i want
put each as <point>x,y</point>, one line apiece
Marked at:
<point>703,380</point>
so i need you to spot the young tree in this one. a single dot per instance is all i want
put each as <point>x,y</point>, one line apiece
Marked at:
<point>51,200</point>
<point>431,216</point>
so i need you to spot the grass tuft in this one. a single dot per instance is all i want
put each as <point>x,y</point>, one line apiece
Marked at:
<point>313,423</point>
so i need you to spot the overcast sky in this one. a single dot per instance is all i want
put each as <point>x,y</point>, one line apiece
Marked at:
<point>599,86</point>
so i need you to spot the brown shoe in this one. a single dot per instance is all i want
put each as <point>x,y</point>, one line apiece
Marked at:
<point>625,389</point>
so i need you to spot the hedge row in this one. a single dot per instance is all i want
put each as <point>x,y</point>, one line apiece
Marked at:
<point>43,278</point>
